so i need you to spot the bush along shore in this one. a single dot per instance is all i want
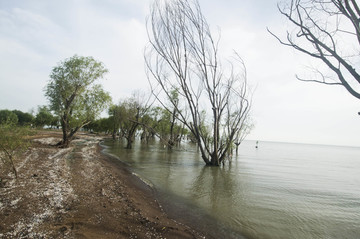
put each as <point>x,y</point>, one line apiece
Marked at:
<point>77,192</point>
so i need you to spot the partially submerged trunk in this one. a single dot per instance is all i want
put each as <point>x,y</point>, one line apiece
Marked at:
<point>113,135</point>
<point>183,57</point>
<point>170,143</point>
<point>131,133</point>
<point>237,148</point>
<point>129,143</point>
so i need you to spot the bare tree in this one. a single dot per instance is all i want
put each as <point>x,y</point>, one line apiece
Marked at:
<point>327,30</point>
<point>183,55</point>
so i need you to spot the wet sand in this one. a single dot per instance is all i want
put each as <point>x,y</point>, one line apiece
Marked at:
<point>79,192</point>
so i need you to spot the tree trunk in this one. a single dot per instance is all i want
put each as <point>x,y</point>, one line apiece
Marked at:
<point>13,167</point>
<point>215,159</point>
<point>129,143</point>
<point>67,137</point>
<point>179,26</point>
<point>170,143</point>
<point>237,148</point>
<point>114,134</point>
<point>65,142</point>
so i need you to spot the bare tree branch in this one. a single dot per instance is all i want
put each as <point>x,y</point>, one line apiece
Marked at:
<point>183,55</point>
<point>325,31</point>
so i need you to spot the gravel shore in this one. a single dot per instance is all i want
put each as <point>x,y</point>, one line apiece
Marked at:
<point>78,192</point>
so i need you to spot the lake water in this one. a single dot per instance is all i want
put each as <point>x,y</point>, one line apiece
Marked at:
<point>279,190</point>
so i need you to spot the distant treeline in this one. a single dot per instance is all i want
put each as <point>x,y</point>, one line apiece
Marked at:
<point>127,119</point>
<point>42,118</point>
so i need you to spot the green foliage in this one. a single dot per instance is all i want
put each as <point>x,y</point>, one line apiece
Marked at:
<point>115,119</point>
<point>7,117</point>
<point>13,141</point>
<point>164,122</point>
<point>73,94</point>
<point>103,125</point>
<point>24,118</point>
<point>45,117</point>
<point>71,88</point>
<point>132,113</point>
<point>129,112</point>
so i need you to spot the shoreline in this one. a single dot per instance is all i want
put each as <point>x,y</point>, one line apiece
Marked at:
<point>80,192</point>
<point>149,190</point>
<point>181,211</point>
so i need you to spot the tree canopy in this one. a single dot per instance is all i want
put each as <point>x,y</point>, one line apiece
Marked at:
<point>23,118</point>
<point>74,95</point>
<point>7,116</point>
<point>45,117</point>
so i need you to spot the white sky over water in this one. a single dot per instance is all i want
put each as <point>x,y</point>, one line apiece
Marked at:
<point>36,35</point>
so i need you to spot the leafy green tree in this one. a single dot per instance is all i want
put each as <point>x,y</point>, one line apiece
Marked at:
<point>93,126</point>
<point>44,117</point>
<point>115,118</point>
<point>103,125</point>
<point>7,116</point>
<point>132,112</point>
<point>74,95</point>
<point>24,118</point>
<point>163,122</point>
<point>106,125</point>
<point>13,141</point>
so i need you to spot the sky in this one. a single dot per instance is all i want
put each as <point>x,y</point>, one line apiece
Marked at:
<point>36,35</point>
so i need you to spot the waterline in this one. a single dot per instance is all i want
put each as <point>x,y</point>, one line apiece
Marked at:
<point>277,191</point>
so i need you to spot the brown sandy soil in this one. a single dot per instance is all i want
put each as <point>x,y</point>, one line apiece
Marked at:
<point>79,193</point>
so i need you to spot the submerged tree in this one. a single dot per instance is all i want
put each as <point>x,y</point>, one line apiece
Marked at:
<point>328,31</point>
<point>132,112</point>
<point>165,121</point>
<point>74,96</point>
<point>115,119</point>
<point>164,124</point>
<point>183,55</point>
<point>246,128</point>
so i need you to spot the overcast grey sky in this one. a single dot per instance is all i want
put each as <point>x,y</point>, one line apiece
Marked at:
<point>36,35</point>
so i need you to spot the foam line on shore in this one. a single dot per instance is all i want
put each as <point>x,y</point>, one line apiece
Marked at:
<point>147,182</point>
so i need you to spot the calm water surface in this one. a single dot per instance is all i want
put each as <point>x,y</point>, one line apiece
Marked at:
<point>279,190</point>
